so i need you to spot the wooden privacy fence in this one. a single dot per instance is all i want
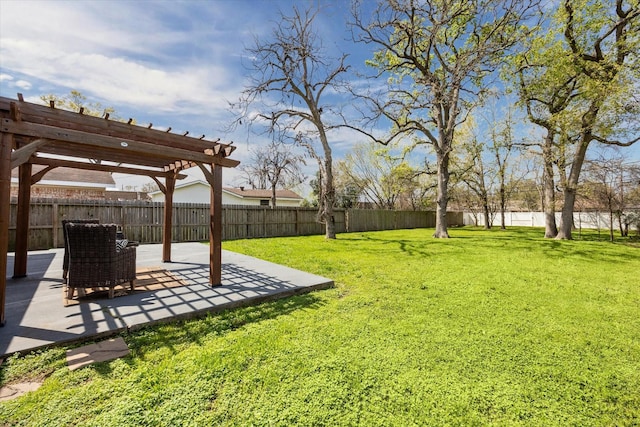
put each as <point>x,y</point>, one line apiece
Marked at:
<point>142,221</point>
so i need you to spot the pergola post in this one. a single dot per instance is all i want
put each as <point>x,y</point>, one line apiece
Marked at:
<point>170,185</point>
<point>6,144</point>
<point>22,221</point>
<point>215,227</point>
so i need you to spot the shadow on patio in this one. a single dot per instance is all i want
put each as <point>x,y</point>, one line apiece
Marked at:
<point>37,315</point>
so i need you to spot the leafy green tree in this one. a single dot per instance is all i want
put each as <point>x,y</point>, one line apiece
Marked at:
<point>579,80</point>
<point>603,45</point>
<point>436,56</point>
<point>347,196</point>
<point>76,101</point>
<point>414,186</point>
<point>545,92</point>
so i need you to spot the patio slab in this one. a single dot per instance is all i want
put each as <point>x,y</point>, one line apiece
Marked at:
<point>37,317</point>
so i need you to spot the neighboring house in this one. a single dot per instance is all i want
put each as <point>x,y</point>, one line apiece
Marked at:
<point>200,192</point>
<point>67,183</point>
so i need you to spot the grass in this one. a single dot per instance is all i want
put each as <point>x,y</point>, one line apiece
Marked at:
<point>489,327</point>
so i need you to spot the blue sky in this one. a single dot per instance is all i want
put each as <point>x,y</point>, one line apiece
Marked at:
<point>170,63</point>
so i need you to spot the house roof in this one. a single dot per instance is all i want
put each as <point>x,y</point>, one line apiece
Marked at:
<point>71,177</point>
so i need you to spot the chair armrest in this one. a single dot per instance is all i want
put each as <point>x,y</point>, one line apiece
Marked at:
<point>126,264</point>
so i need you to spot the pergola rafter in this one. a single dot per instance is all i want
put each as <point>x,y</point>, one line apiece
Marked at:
<point>43,135</point>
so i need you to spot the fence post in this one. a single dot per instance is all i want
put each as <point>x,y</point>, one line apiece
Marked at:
<point>54,224</point>
<point>264,222</point>
<point>246,221</point>
<point>347,218</point>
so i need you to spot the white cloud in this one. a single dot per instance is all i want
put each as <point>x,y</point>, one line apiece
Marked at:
<point>8,82</point>
<point>119,78</point>
<point>23,84</point>
<point>125,55</point>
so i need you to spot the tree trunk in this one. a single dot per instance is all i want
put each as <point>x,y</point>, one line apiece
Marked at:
<point>611,238</point>
<point>328,201</point>
<point>619,216</point>
<point>549,189</point>
<point>571,188</point>
<point>503,205</point>
<point>273,196</point>
<point>443,196</point>
<point>485,207</point>
<point>566,225</point>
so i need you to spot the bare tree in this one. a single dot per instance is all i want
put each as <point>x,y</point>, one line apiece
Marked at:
<point>149,187</point>
<point>273,166</point>
<point>436,56</point>
<point>609,185</point>
<point>508,168</point>
<point>384,177</point>
<point>370,170</point>
<point>290,73</point>
<point>479,179</point>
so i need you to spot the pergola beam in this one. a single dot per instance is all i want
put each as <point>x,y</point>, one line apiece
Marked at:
<point>132,147</point>
<point>84,152</point>
<point>104,168</point>
<point>23,154</point>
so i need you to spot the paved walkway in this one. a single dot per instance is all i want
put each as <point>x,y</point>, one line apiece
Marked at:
<point>36,316</point>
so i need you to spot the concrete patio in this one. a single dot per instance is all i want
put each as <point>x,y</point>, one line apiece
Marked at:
<point>37,317</point>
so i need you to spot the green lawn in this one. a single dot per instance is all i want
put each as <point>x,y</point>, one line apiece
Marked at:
<point>489,327</point>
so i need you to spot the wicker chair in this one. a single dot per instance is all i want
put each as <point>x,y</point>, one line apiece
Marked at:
<point>94,260</point>
<point>65,261</point>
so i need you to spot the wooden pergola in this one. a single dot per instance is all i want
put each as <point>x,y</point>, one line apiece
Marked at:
<point>44,135</point>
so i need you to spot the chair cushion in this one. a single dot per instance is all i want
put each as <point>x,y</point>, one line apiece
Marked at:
<point>121,244</point>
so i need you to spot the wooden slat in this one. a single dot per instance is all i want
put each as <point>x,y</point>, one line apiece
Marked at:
<point>105,168</point>
<point>22,154</point>
<point>106,154</point>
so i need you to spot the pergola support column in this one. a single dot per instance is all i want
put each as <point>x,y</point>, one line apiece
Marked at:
<point>215,227</point>
<point>170,185</point>
<point>6,144</point>
<point>22,221</point>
